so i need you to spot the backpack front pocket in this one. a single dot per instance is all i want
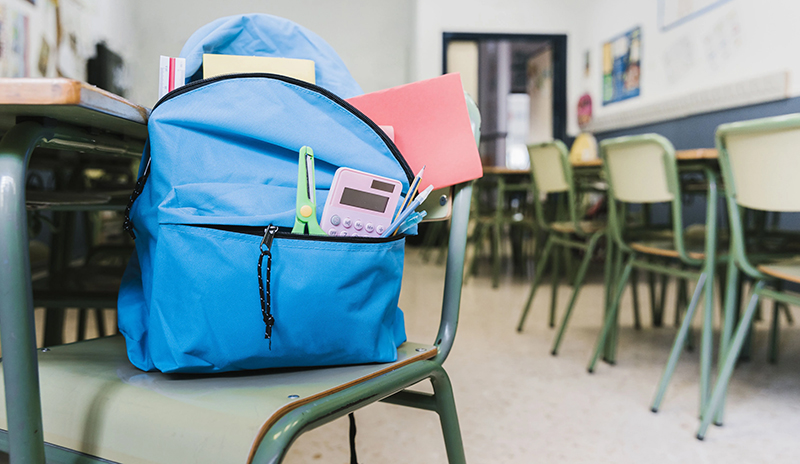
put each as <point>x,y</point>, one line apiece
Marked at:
<point>333,300</point>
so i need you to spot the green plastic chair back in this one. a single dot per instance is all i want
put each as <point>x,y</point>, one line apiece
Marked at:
<point>760,164</point>
<point>643,169</point>
<point>551,172</point>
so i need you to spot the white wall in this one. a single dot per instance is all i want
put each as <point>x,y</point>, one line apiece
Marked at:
<point>434,17</point>
<point>371,36</point>
<point>737,40</point>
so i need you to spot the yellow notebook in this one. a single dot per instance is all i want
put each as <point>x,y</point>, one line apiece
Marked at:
<point>215,65</point>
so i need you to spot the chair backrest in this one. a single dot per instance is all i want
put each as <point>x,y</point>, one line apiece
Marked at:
<point>760,168</point>
<point>551,172</point>
<point>762,161</point>
<point>549,167</point>
<point>642,169</point>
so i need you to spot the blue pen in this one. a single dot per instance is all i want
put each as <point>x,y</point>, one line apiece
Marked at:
<point>407,212</point>
<point>412,220</point>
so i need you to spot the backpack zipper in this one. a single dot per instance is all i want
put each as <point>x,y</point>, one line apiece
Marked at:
<point>290,80</point>
<point>286,233</point>
<point>264,292</point>
<point>127,224</point>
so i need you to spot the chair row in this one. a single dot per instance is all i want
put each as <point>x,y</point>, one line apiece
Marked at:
<point>758,165</point>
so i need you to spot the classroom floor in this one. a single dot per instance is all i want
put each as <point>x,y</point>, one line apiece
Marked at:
<point>519,404</point>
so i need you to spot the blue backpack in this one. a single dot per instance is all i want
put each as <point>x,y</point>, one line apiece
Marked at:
<point>216,200</point>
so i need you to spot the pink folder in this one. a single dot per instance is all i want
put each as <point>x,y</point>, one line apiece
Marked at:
<point>431,128</point>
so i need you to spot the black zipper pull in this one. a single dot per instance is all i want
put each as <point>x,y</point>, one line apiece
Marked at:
<point>127,223</point>
<point>264,291</point>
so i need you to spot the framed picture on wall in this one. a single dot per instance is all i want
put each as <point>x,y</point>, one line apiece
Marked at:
<point>673,13</point>
<point>621,66</point>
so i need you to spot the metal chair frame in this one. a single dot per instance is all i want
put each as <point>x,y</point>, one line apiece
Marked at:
<point>731,342</point>
<point>24,440</point>
<point>699,269</point>
<point>578,238</point>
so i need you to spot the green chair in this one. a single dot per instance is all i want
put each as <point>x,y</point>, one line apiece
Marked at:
<point>551,172</point>
<point>760,166</point>
<point>491,216</point>
<point>94,406</point>
<point>642,169</point>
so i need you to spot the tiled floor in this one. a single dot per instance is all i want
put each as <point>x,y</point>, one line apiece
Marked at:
<point>519,404</point>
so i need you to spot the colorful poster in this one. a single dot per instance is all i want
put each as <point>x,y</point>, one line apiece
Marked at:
<point>621,59</point>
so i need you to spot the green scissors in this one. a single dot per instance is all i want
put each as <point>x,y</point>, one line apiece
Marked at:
<point>306,210</point>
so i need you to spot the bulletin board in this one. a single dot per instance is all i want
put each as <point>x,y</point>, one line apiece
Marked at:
<point>621,66</point>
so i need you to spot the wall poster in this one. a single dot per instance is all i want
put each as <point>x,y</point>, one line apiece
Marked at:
<point>621,58</point>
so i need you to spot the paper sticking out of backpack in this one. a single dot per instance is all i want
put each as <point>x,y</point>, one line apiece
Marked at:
<point>431,127</point>
<point>172,74</point>
<point>217,65</point>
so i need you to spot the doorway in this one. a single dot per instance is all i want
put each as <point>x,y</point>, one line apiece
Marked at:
<point>519,82</point>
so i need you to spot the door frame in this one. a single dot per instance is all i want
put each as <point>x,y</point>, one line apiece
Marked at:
<point>558,43</point>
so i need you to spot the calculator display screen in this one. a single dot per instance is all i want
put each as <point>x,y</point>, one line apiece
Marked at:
<point>364,200</point>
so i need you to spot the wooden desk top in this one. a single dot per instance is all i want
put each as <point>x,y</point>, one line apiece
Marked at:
<point>70,101</point>
<point>680,155</point>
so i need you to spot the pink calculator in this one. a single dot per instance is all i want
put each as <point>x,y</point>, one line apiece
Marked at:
<point>360,204</point>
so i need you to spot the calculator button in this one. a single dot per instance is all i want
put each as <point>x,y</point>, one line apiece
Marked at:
<point>343,233</point>
<point>358,225</point>
<point>379,229</point>
<point>355,235</point>
<point>347,222</point>
<point>332,232</point>
<point>335,220</point>
<point>369,227</point>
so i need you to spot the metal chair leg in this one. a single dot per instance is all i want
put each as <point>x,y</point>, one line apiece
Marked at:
<point>584,266</point>
<point>658,316</point>
<point>728,363</point>
<point>446,408</point>
<point>637,323</point>
<point>677,345</point>
<point>556,281</point>
<point>495,255</point>
<point>773,333</point>
<point>537,279</point>
<point>609,351</point>
<point>732,296</point>
<point>611,316</point>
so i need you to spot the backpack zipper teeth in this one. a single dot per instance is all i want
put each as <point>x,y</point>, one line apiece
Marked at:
<point>285,232</point>
<point>322,91</point>
<point>128,223</point>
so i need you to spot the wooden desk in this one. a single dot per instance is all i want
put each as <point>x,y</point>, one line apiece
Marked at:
<point>63,114</point>
<point>698,154</point>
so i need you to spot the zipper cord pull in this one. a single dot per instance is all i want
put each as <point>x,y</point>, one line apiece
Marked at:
<point>264,292</point>
<point>127,223</point>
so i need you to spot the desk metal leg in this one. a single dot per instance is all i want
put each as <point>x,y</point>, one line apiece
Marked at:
<point>17,328</point>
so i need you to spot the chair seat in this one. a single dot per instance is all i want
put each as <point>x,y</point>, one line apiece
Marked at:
<point>788,270</point>
<point>96,402</point>
<point>662,244</point>
<point>589,227</point>
<point>667,249</point>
